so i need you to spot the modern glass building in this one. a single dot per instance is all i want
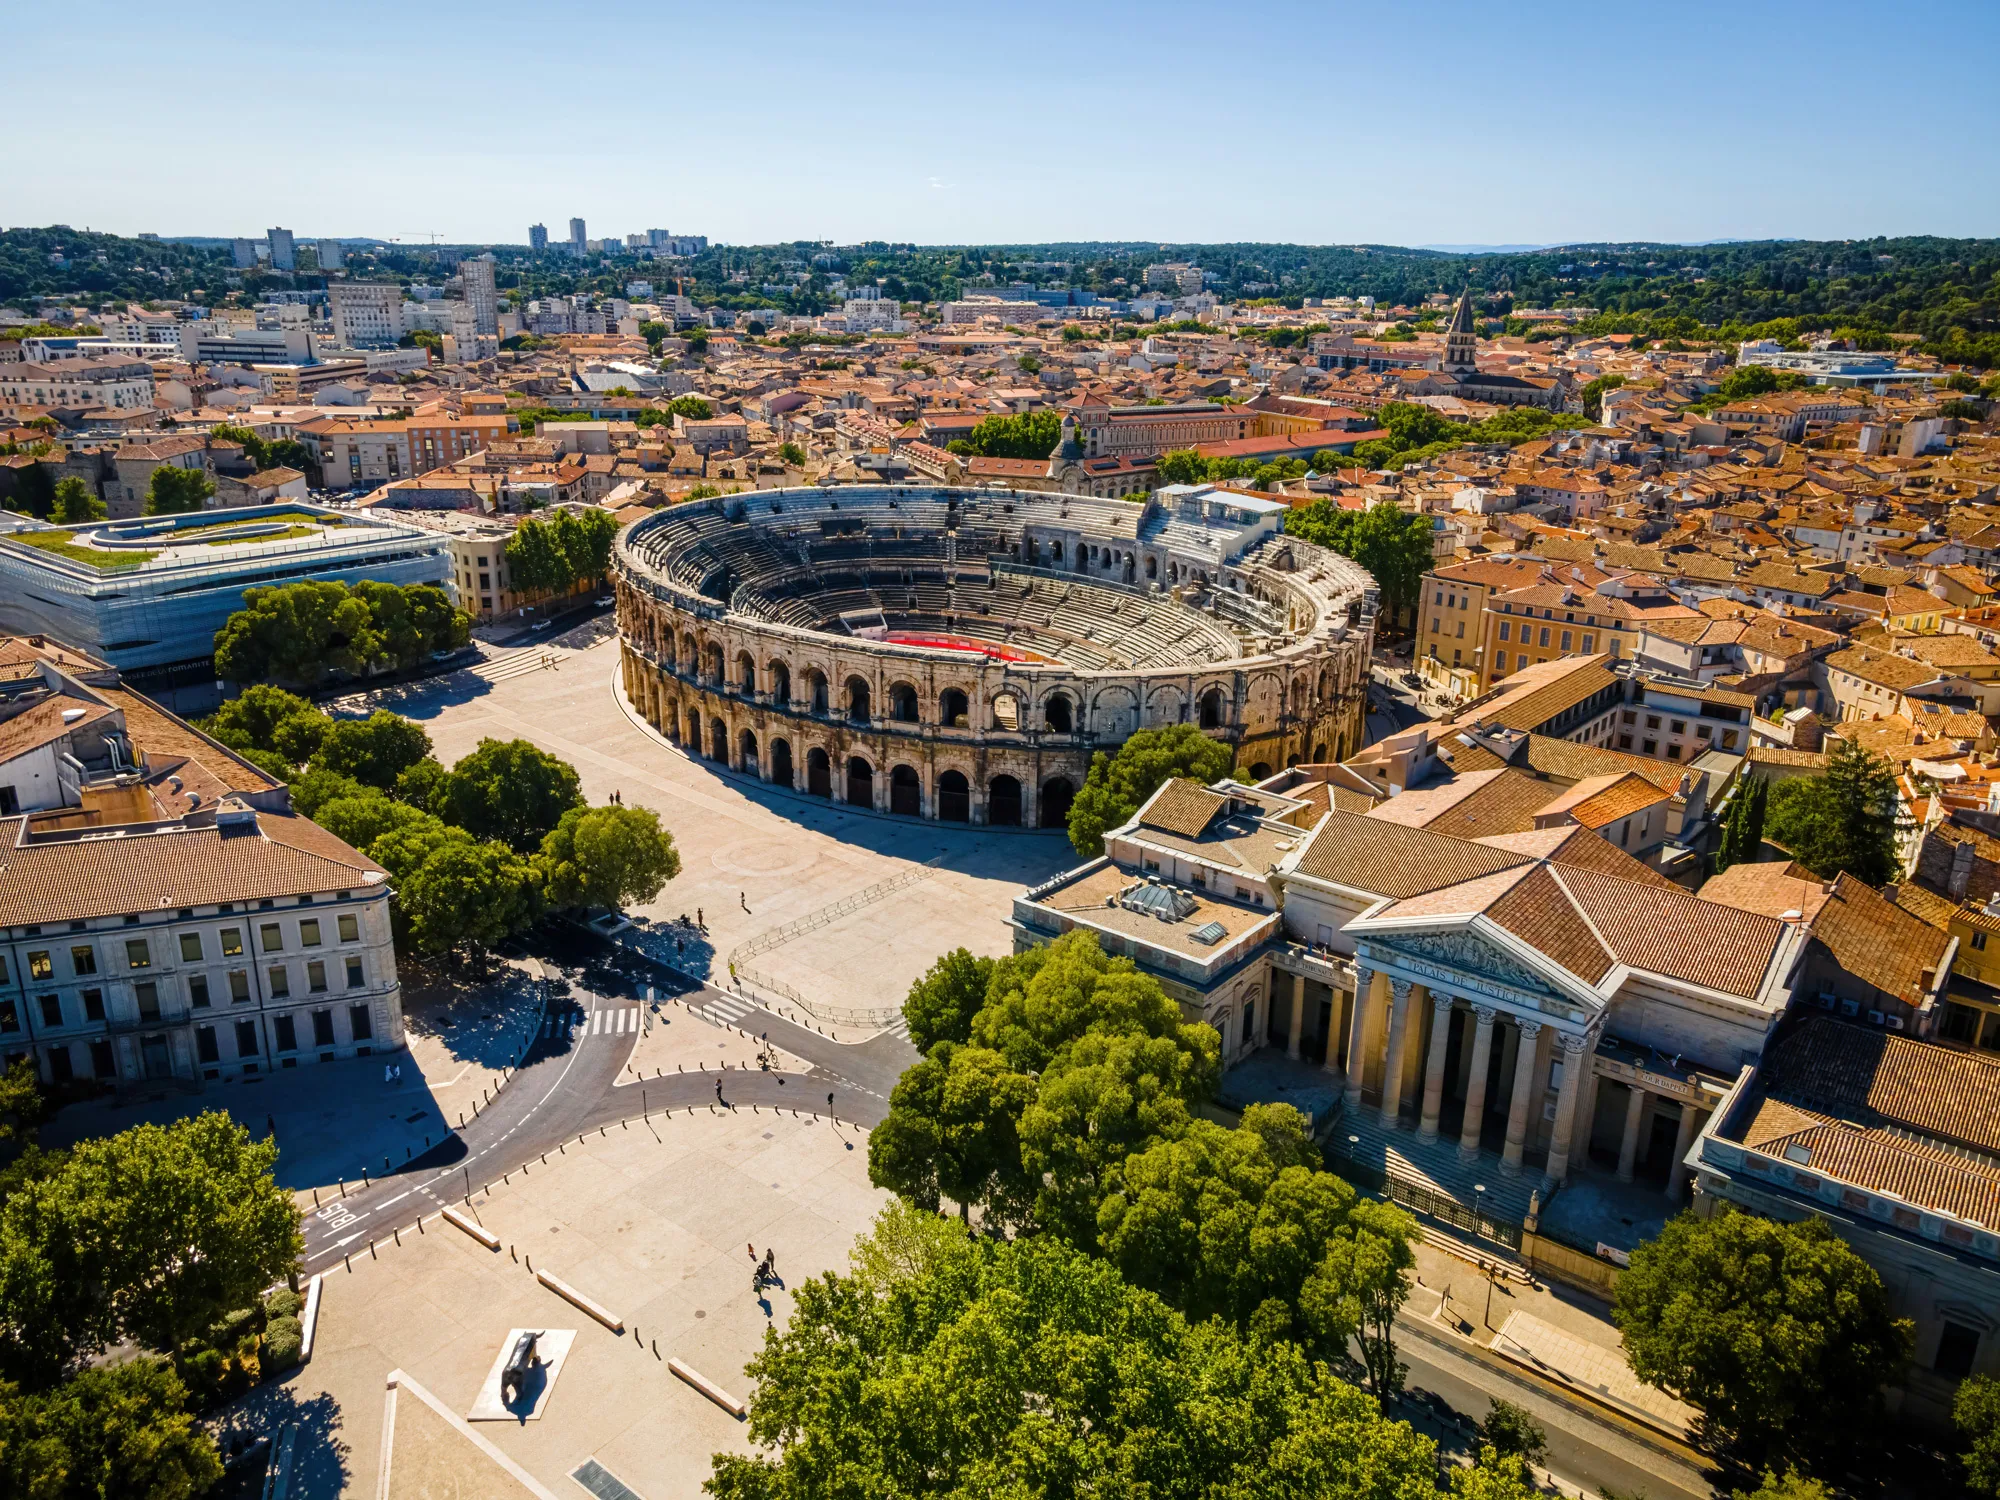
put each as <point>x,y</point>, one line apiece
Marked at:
<point>153,592</point>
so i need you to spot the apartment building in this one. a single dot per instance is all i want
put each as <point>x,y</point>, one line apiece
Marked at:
<point>366,314</point>
<point>374,451</point>
<point>1450,622</point>
<point>164,913</point>
<point>79,384</point>
<point>1545,620</point>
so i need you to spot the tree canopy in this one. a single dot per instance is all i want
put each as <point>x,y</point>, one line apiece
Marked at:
<point>1032,434</point>
<point>554,556</point>
<point>375,751</point>
<point>509,790</point>
<point>299,633</point>
<point>75,504</point>
<point>1843,820</point>
<point>1392,544</point>
<point>118,1431</point>
<point>941,1005</point>
<point>173,490</point>
<point>1119,781</point>
<point>1975,1411</point>
<point>608,856</point>
<point>1779,1334</point>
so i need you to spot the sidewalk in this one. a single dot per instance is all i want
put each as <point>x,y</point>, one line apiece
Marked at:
<point>1558,1332</point>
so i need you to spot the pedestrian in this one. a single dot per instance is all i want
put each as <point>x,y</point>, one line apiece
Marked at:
<point>700,920</point>
<point>743,899</point>
<point>829,1098</point>
<point>753,1253</point>
<point>388,1073</point>
<point>680,947</point>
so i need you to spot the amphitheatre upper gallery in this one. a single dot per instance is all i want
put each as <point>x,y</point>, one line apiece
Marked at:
<point>960,654</point>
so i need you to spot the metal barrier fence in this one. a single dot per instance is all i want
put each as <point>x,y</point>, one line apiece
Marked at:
<point>1427,1201</point>
<point>777,937</point>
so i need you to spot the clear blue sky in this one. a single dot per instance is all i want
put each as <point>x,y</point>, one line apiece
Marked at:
<point>1403,122</point>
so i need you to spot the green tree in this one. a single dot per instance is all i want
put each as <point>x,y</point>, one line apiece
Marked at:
<point>692,407</point>
<point>1360,1285</point>
<point>1032,434</point>
<point>1119,782</point>
<point>509,790</point>
<point>467,894</point>
<point>1181,466</point>
<point>585,538</point>
<point>262,717</point>
<point>1510,1429</point>
<point>1779,1334</point>
<point>117,1431</point>
<point>941,1005</point>
<point>174,490</point>
<point>297,633</point>
<point>792,454</point>
<point>1497,1475</point>
<point>375,751</point>
<point>1841,820</point>
<point>610,856</point>
<point>536,561</point>
<point>363,818</point>
<point>75,504</point>
<point>1792,1485</point>
<point>1393,545</point>
<point>149,1235</point>
<point>1975,1410</point>
<point>1594,393</point>
<point>418,785</point>
<point>953,1131</point>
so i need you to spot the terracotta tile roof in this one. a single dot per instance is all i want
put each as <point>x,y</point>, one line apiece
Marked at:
<point>1571,845</point>
<point>1540,911</point>
<point>42,722</point>
<point>1835,1148</point>
<point>1366,854</point>
<point>1182,806</point>
<point>1670,932</point>
<point>1853,1070</point>
<point>1924,905</point>
<point>1877,941</point>
<point>76,879</point>
<point>1772,888</point>
<point>1627,795</point>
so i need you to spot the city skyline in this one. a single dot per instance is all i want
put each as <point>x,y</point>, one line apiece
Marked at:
<point>1530,133</point>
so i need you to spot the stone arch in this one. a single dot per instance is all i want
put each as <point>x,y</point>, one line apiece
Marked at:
<point>902,702</point>
<point>1006,712</point>
<point>906,792</point>
<point>746,751</point>
<point>1003,802</point>
<point>819,773</point>
<point>1057,794</point>
<point>781,762</point>
<point>1114,713</point>
<point>1260,770</point>
<point>1164,705</point>
<point>689,660</point>
<point>855,700</point>
<point>718,740</point>
<point>711,662</point>
<point>1059,714</point>
<point>1152,567</point>
<point>1319,755</point>
<point>952,709</point>
<point>817,695</point>
<point>860,782</point>
<point>954,798</point>
<point>746,673</point>
<point>779,675</point>
<point>1213,709</point>
<point>694,732</point>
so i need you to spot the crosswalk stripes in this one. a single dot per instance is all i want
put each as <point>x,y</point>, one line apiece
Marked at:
<point>611,1020</point>
<point>725,1010</point>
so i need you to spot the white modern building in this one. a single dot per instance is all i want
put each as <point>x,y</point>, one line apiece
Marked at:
<point>366,314</point>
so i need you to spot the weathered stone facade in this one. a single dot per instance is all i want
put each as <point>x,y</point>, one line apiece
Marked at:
<point>951,734</point>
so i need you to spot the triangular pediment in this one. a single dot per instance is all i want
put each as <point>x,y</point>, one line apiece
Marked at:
<point>1479,961</point>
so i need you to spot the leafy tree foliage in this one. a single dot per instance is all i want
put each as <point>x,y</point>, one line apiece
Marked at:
<point>269,718</point>
<point>148,1235</point>
<point>1392,544</point>
<point>1119,781</point>
<point>1841,820</point>
<point>1976,1412</point>
<point>1743,827</point>
<point>694,408</point>
<point>509,790</point>
<point>375,751</point>
<point>1594,393</point>
<point>465,893</point>
<point>1791,1485</point>
<point>1032,434</point>
<point>287,453</point>
<point>300,632</point>
<point>554,556</point>
<point>120,1431</point>
<point>75,504</point>
<point>792,454</point>
<point>941,1005</point>
<point>1360,1285</point>
<point>609,856</point>
<point>1778,1333</point>
<point>173,490</point>
<point>948,1367</point>
<point>953,1132</point>
<point>1510,1429</point>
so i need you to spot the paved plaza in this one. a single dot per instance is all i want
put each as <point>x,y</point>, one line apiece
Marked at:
<point>652,1221</point>
<point>753,857</point>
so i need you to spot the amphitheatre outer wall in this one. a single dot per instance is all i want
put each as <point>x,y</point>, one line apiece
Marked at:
<point>960,736</point>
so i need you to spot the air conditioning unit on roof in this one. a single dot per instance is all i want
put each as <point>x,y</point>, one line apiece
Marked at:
<point>1875,1018</point>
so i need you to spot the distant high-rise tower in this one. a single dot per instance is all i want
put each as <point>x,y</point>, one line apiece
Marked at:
<point>538,236</point>
<point>1461,341</point>
<point>331,256</point>
<point>284,255</point>
<point>243,253</point>
<point>576,239</point>
<point>476,276</point>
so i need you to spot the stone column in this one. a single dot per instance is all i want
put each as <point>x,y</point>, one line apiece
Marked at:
<point>1399,1036</point>
<point>1357,1035</point>
<point>1295,1033</point>
<point>1427,1126</point>
<point>1332,1063</point>
<point>1475,1082</point>
<point>1683,1138</point>
<point>1524,1088</point>
<point>1575,1059</point>
<point>1628,1144</point>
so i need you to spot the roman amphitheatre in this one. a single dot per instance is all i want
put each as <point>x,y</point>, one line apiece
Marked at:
<point>959,655</point>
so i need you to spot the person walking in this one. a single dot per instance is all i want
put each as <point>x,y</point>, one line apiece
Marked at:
<point>743,899</point>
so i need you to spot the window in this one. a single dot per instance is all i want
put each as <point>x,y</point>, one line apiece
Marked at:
<point>1673,752</point>
<point>1629,717</point>
<point>316,976</point>
<point>246,1038</point>
<point>239,986</point>
<point>1679,726</point>
<point>272,936</point>
<point>1500,661</point>
<point>198,991</point>
<point>204,1044</point>
<point>281,984</point>
<point>1568,638</point>
<point>232,942</point>
<point>40,966</point>
<point>191,947</point>
<point>1652,721</point>
<point>83,960</point>
<point>1589,644</point>
<point>148,996</point>
<point>1503,630</point>
<point>10,1017</point>
<point>287,1034</point>
<point>355,979</point>
<point>93,1005</point>
<point>1545,635</point>
<point>309,933</point>
<point>138,955</point>
<point>322,1028</point>
<point>1434,625</point>
<point>1652,747</point>
<point>350,929</point>
<point>1957,1345</point>
<point>359,1023</point>
<point>51,1010</point>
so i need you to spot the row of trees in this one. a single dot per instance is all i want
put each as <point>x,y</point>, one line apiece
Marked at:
<point>287,453</point>
<point>300,633</point>
<point>556,555</point>
<point>1417,433</point>
<point>1392,544</point>
<point>476,852</point>
<point>1189,466</point>
<point>1032,434</point>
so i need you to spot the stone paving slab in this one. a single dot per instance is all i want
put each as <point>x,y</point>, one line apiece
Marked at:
<point>1591,1367</point>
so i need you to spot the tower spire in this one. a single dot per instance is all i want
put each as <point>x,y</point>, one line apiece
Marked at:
<point>1461,340</point>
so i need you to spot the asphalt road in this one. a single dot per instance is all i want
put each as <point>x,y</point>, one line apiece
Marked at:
<point>566,1086</point>
<point>1392,703</point>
